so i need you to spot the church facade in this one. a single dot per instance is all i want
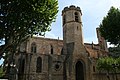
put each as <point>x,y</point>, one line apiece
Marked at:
<point>68,59</point>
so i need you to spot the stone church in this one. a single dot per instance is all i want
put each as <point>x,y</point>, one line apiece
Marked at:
<point>68,59</point>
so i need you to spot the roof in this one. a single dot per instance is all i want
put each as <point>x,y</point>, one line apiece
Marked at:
<point>95,53</point>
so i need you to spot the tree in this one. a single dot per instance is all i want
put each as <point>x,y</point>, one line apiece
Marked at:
<point>118,62</point>
<point>20,19</point>
<point>108,64</point>
<point>1,71</point>
<point>105,64</point>
<point>114,52</point>
<point>110,26</point>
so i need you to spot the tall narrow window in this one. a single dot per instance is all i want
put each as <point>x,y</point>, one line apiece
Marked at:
<point>51,49</point>
<point>64,19</point>
<point>21,67</point>
<point>76,17</point>
<point>62,51</point>
<point>39,65</point>
<point>77,28</point>
<point>33,48</point>
<point>93,68</point>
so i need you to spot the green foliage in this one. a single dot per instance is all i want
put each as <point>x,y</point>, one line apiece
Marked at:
<point>118,61</point>
<point>20,19</point>
<point>110,26</point>
<point>108,64</point>
<point>114,52</point>
<point>105,63</point>
<point>1,72</point>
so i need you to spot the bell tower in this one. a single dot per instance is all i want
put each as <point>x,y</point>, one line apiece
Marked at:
<point>72,26</point>
<point>76,55</point>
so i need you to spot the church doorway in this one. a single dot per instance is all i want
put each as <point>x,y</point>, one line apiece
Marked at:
<point>79,71</point>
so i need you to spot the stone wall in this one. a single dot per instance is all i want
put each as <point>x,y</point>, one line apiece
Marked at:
<point>104,76</point>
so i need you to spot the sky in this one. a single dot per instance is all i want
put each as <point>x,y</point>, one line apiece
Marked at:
<point>93,12</point>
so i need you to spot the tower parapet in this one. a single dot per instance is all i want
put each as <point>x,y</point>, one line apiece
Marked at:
<point>72,7</point>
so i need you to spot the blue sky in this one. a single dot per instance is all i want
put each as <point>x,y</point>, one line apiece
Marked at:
<point>93,12</point>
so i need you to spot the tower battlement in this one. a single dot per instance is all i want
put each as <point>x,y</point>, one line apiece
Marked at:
<point>72,7</point>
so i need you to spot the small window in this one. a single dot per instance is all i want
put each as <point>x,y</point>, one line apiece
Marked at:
<point>33,48</point>
<point>39,65</point>
<point>77,27</point>
<point>76,17</point>
<point>93,68</point>
<point>62,51</point>
<point>51,49</point>
<point>64,19</point>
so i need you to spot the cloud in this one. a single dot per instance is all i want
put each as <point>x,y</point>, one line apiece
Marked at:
<point>115,3</point>
<point>52,35</point>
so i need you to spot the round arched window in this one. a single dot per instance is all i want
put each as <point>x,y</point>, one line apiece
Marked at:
<point>57,66</point>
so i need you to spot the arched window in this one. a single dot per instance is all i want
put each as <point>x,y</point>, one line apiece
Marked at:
<point>64,19</point>
<point>51,49</point>
<point>76,17</point>
<point>93,68</point>
<point>33,48</point>
<point>62,51</point>
<point>39,65</point>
